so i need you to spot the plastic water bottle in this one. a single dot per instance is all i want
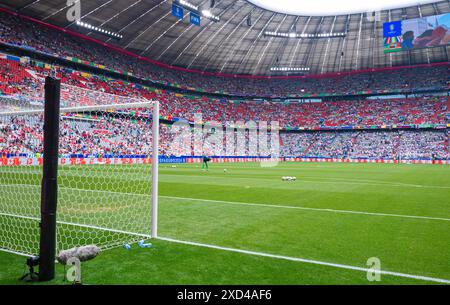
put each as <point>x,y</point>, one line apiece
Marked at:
<point>127,246</point>
<point>142,244</point>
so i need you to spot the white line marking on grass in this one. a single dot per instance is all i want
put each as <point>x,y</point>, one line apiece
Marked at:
<point>15,252</point>
<point>34,218</point>
<point>133,175</point>
<point>370,182</point>
<point>80,225</point>
<point>308,261</point>
<point>80,190</point>
<point>306,208</point>
<point>250,204</point>
<point>333,181</point>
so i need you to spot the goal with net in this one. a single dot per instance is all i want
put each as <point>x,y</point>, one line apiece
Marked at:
<point>107,170</point>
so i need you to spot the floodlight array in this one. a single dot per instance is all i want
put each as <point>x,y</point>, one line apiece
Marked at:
<point>209,15</point>
<point>290,69</point>
<point>188,5</point>
<point>99,30</point>
<point>304,35</point>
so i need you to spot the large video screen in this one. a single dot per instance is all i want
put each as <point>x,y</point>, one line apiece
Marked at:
<point>417,33</point>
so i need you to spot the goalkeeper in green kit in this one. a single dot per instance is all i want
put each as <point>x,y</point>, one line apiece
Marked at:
<point>205,161</point>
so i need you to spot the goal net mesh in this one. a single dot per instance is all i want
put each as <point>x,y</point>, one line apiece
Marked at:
<point>104,172</point>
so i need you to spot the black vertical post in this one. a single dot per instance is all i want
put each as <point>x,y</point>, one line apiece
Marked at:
<point>49,180</point>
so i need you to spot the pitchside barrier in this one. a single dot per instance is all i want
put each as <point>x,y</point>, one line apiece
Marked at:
<point>34,161</point>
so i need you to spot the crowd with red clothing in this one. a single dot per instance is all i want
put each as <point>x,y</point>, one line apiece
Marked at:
<point>81,89</point>
<point>24,33</point>
<point>393,144</point>
<point>115,136</point>
<point>23,83</point>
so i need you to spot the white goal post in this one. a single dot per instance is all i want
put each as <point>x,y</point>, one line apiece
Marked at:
<point>104,175</point>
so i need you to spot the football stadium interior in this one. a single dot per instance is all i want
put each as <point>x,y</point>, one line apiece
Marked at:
<point>225,142</point>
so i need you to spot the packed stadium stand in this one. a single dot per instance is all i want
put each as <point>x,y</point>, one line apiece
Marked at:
<point>26,80</point>
<point>23,33</point>
<point>362,127</point>
<point>23,82</point>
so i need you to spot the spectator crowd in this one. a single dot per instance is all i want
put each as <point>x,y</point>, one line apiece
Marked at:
<point>122,136</point>
<point>24,81</point>
<point>20,32</point>
<point>21,87</point>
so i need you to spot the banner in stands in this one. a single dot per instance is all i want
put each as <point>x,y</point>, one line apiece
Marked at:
<point>194,19</point>
<point>33,161</point>
<point>172,160</point>
<point>416,33</point>
<point>177,11</point>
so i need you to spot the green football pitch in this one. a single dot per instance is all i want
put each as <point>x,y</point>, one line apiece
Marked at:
<point>247,226</point>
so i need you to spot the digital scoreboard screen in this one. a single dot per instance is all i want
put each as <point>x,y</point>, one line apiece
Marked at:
<point>416,33</point>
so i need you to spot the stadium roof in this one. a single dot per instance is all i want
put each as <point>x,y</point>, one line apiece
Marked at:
<point>235,46</point>
<point>333,7</point>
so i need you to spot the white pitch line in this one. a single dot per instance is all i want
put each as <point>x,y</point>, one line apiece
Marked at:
<point>333,180</point>
<point>308,261</point>
<point>336,181</point>
<point>15,252</point>
<point>373,183</point>
<point>251,204</point>
<point>20,216</point>
<point>80,225</point>
<point>307,209</point>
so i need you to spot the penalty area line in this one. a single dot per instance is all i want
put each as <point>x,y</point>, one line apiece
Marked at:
<point>251,204</point>
<point>306,208</point>
<point>307,261</point>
